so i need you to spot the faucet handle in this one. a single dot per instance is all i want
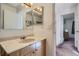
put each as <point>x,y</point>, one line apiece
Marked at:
<point>23,37</point>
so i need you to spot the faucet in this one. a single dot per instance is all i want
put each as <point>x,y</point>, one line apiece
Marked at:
<point>23,37</point>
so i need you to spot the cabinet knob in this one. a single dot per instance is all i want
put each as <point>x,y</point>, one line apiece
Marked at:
<point>33,52</point>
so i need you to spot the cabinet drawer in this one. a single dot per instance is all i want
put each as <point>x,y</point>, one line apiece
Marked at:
<point>31,53</point>
<point>28,54</point>
<point>16,53</point>
<point>27,50</point>
<point>38,51</point>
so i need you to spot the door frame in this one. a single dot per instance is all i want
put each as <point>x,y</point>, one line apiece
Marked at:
<point>63,22</point>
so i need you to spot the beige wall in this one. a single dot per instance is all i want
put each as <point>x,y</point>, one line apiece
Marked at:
<point>48,27</point>
<point>48,24</point>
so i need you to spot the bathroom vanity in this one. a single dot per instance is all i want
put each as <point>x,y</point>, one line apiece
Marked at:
<point>19,21</point>
<point>31,46</point>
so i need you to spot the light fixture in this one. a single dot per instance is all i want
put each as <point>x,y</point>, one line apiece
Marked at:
<point>38,9</point>
<point>28,4</point>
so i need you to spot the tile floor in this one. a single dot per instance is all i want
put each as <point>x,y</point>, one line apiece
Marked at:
<point>66,49</point>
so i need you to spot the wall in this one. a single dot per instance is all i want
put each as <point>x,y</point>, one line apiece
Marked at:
<point>11,34</point>
<point>77,27</point>
<point>47,29</point>
<point>60,10</point>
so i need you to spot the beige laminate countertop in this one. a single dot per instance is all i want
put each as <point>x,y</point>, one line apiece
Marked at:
<point>15,44</point>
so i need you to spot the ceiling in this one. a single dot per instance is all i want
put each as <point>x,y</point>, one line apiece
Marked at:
<point>69,16</point>
<point>15,4</point>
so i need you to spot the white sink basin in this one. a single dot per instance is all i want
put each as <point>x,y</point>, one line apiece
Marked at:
<point>27,40</point>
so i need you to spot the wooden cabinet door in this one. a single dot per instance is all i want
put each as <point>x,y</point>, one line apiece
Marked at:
<point>16,53</point>
<point>25,51</point>
<point>28,54</point>
<point>32,50</point>
<point>43,47</point>
<point>31,53</point>
<point>40,48</point>
<point>28,50</point>
<point>38,51</point>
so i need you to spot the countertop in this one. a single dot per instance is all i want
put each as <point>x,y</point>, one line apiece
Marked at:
<point>15,44</point>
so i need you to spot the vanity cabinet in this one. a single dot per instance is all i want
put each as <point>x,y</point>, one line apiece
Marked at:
<point>35,49</point>
<point>28,50</point>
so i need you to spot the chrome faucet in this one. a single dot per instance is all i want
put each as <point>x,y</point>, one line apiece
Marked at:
<point>23,37</point>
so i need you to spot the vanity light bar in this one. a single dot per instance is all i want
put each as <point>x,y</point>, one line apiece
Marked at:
<point>38,9</point>
<point>28,4</point>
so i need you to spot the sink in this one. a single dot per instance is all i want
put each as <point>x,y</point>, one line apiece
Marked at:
<point>27,40</point>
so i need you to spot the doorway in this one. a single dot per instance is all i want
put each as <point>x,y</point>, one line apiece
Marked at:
<point>69,27</point>
<point>67,48</point>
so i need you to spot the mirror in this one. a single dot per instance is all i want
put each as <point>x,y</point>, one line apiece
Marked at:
<point>20,16</point>
<point>34,17</point>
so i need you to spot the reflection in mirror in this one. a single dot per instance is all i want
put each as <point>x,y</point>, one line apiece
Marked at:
<point>20,15</point>
<point>34,16</point>
<point>37,15</point>
<point>29,18</point>
<point>9,16</point>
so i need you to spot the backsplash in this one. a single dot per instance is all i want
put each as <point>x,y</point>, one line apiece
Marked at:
<point>10,34</point>
<point>13,33</point>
